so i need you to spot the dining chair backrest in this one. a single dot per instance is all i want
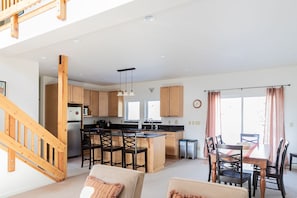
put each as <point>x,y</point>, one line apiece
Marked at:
<point>229,159</point>
<point>129,139</point>
<point>210,145</point>
<point>106,138</point>
<point>219,139</point>
<point>278,151</point>
<point>85,138</point>
<point>283,159</point>
<point>250,138</point>
<point>85,134</point>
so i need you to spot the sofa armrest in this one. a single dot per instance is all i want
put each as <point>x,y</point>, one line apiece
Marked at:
<point>207,189</point>
<point>131,179</point>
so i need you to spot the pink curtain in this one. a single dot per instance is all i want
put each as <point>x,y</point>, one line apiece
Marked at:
<point>213,124</point>
<point>274,126</point>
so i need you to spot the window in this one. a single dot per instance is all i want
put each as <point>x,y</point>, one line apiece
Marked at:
<point>242,115</point>
<point>153,110</point>
<point>133,111</point>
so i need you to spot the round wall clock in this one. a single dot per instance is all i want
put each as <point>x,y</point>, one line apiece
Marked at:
<point>197,103</point>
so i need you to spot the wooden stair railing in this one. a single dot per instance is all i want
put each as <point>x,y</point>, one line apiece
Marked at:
<point>30,142</point>
<point>11,9</point>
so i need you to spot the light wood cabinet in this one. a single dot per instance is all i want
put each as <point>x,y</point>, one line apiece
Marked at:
<point>75,94</point>
<point>172,143</point>
<point>115,104</point>
<point>51,108</point>
<point>171,101</point>
<point>51,104</point>
<point>94,103</point>
<point>103,104</point>
<point>87,97</point>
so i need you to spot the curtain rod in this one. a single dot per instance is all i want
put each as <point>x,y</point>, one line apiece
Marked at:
<point>246,88</point>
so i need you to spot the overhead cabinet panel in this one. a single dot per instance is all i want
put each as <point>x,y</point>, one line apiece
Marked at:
<point>115,104</point>
<point>171,101</point>
<point>103,104</point>
<point>75,94</point>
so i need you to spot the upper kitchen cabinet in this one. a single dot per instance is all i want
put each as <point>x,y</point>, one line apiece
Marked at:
<point>115,104</point>
<point>171,101</point>
<point>103,104</point>
<point>94,103</point>
<point>87,97</point>
<point>75,94</point>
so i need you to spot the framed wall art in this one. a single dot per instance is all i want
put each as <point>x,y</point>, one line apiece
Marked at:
<point>3,87</point>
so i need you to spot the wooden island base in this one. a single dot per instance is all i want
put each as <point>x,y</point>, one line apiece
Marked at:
<point>155,153</point>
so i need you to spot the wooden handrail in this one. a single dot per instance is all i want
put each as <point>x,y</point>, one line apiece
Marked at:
<point>12,8</point>
<point>27,139</point>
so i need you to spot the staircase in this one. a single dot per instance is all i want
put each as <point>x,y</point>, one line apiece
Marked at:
<point>27,140</point>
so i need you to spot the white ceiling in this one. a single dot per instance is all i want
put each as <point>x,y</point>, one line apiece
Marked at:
<point>186,38</point>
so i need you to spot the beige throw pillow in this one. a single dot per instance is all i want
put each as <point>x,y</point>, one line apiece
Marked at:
<point>96,188</point>
<point>175,194</point>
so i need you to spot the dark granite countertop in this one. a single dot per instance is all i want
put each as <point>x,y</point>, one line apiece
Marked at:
<point>139,134</point>
<point>145,127</point>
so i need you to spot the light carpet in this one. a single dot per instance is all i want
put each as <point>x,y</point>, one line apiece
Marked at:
<point>155,184</point>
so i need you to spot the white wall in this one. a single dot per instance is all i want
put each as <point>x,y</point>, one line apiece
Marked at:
<point>23,90</point>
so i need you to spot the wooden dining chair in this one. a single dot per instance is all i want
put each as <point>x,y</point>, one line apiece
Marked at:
<point>229,166</point>
<point>219,139</point>
<point>250,138</point>
<point>274,175</point>
<point>269,164</point>
<point>210,146</point>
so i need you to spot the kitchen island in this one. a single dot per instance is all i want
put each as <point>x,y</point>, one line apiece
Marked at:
<point>155,144</point>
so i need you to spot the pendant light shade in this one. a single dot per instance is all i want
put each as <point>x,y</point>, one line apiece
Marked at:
<point>123,91</point>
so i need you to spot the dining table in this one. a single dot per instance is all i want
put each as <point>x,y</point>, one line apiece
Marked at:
<point>257,154</point>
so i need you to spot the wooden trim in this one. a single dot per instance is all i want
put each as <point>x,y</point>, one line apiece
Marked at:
<point>14,22</point>
<point>11,152</point>
<point>29,122</point>
<point>62,108</point>
<point>61,9</point>
<point>11,10</point>
<point>40,10</point>
<point>30,156</point>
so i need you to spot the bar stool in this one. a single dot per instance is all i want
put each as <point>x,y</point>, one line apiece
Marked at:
<point>130,147</point>
<point>291,158</point>
<point>108,146</point>
<point>88,145</point>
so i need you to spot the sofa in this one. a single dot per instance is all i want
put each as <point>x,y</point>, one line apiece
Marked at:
<point>181,187</point>
<point>121,182</point>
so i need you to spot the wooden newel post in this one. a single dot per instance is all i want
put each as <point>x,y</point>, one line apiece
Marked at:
<point>62,109</point>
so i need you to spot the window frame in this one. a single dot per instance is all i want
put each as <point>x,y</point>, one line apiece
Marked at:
<point>127,111</point>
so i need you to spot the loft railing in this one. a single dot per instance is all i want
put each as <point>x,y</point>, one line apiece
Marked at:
<point>11,13</point>
<point>27,140</point>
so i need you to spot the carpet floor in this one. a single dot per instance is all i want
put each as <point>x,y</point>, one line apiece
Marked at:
<point>155,184</point>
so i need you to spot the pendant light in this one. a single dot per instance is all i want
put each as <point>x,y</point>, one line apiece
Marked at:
<point>123,91</point>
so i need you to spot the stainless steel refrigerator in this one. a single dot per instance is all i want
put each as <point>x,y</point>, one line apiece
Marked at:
<point>74,125</point>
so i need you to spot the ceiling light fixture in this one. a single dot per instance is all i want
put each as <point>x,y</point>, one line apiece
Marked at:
<point>125,92</point>
<point>149,18</point>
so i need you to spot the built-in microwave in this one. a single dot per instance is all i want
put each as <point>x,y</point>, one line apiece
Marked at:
<point>86,111</point>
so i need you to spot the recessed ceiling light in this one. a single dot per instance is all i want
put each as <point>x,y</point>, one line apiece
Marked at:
<point>162,56</point>
<point>149,18</point>
<point>75,40</point>
<point>43,57</point>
